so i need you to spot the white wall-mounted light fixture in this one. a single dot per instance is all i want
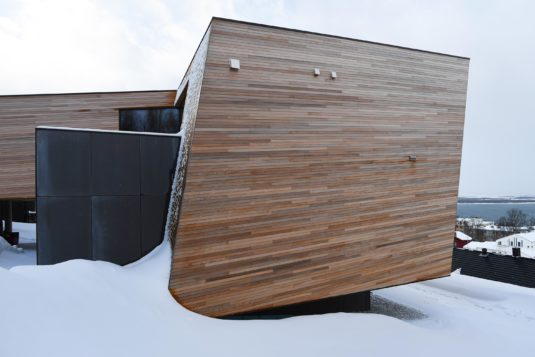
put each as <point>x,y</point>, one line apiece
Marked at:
<point>333,75</point>
<point>316,72</point>
<point>234,64</point>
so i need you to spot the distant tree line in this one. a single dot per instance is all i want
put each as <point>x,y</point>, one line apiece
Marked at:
<point>482,235</point>
<point>515,219</point>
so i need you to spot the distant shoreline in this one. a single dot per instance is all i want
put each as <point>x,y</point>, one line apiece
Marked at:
<point>493,208</point>
<point>495,202</point>
<point>513,200</point>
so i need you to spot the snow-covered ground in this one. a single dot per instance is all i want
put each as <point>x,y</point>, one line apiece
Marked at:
<point>26,252</point>
<point>85,308</point>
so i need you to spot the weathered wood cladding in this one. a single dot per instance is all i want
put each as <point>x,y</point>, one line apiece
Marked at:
<point>21,114</point>
<point>299,187</point>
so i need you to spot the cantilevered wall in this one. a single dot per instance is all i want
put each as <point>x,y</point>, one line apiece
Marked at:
<point>299,187</point>
<point>21,114</point>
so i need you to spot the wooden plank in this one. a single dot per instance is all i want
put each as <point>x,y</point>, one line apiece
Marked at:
<point>299,187</point>
<point>21,114</point>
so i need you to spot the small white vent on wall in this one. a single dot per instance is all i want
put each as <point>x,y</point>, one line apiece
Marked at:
<point>234,64</point>
<point>333,75</point>
<point>316,72</point>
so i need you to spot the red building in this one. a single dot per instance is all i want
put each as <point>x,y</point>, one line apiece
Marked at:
<point>461,239</point>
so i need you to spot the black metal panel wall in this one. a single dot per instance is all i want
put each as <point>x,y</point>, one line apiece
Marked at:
<point>503,268</point>
<point>101,195</point>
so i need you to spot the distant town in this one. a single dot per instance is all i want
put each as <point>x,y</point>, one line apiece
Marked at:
<point>512,233</point>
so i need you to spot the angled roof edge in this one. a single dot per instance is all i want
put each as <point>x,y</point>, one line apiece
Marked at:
<point>82,93</point>
<point>335,36</point>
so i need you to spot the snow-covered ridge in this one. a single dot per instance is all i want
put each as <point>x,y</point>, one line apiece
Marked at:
<point>496,196</point>
<point>496,199</point>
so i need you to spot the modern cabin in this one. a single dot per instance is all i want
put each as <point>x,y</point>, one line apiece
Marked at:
<point>309,167</point>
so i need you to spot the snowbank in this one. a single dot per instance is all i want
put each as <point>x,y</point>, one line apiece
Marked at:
<point>4,245</point>
<point>84,308</point>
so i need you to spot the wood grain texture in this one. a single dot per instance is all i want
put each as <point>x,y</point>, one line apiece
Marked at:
<point>21,114</point>
<point>299,187</point>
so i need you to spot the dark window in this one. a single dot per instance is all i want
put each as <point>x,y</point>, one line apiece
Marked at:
<point>155,120</point>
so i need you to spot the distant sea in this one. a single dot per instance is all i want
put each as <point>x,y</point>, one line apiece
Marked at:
<point>493,211</point>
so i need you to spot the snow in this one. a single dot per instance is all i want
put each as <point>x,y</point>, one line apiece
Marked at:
<point>460,235</point>
<point>526,236</point>
<point>86,308</point>
<point>504,249</point>
<point>4,245</point>
<point>26,252</point>
<point>492,227</point>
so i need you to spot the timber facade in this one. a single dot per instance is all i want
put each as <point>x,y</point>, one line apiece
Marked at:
<point>300,187</point>
<point>309,167</point>
<point>21,114</point>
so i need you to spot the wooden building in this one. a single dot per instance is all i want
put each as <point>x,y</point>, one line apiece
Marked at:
<point>21,114</point>
<point>310,166</point>
<point>318,166</point>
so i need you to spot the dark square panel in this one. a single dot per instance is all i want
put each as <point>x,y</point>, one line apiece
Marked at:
<point>158,160</point>
<point>63,229</point>
<point>63,162</point>
<point>153,216</point>
<point>114,164</point>
<point>116,229</point>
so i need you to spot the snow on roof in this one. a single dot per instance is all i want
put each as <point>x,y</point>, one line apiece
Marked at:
<point>527,236</point>
<point>492,227</point>
<point>462,236</point>
<point>494,248</point>
<point>491,246</point>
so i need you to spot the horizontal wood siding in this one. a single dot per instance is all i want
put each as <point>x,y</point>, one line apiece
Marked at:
<point>21,114</point>
<point>299,187</point>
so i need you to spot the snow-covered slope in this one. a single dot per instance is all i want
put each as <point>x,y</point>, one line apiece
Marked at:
<point>84,308</point>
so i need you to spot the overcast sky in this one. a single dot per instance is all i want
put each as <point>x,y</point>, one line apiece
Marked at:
<point>106,45</point>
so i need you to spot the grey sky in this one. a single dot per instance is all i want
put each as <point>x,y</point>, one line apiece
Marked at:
<point>102,45</point>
